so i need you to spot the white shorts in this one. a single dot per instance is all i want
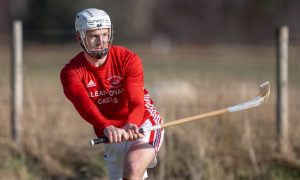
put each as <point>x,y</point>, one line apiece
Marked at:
<point>114,154</point>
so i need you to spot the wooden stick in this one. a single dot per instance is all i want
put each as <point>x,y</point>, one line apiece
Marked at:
<point>262,97</point>
<point>194,118</point>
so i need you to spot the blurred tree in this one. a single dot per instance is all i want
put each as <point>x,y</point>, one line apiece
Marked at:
<point>50,19</point>
<point>141,19</point>
<point>4,16</point>
<point>188,20</point>
<point>183,21</point>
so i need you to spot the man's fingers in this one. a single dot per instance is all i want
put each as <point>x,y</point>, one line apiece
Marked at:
<point>140,135</point>
<point>130,134</point>
<point>115,135</point>
<point>125,135</point>
<point>136,129</point>
<point>120,135</point>
<point>110,137</point>
<point>135,136</point>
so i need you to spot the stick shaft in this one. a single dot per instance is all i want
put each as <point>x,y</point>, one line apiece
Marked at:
<point>194,118</point>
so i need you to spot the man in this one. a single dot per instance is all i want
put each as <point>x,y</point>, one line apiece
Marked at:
<point>105,83</point>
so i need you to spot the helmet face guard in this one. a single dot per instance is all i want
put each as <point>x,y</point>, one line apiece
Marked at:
<point>94,19</point>
<point>91,44</point>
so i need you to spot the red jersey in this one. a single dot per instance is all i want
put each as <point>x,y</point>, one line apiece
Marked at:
<point>112,94</point>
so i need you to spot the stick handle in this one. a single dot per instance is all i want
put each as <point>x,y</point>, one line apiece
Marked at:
<point>100,140</point>
<point>104,139</point>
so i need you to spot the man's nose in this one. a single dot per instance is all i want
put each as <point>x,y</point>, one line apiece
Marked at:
<point>100,37</point>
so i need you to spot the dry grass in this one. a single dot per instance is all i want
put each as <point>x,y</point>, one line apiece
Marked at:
<point>232,146</point>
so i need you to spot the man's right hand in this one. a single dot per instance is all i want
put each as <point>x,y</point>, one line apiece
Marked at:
<point>115,135</point>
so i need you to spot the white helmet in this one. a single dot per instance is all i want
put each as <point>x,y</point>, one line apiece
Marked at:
<point>90,19</point>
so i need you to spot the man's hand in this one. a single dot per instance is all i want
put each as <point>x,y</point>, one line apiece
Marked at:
<point>115,135</point>
<point>133,131</point>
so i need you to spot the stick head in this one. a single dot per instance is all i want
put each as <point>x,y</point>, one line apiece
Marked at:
<point>264,91</point>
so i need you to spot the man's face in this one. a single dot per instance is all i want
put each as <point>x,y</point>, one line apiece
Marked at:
<point>98,39</point>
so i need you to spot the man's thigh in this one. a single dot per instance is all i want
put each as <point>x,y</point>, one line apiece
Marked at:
<point>116,154</point>
<point>141,151</point>
<point>140,156</point>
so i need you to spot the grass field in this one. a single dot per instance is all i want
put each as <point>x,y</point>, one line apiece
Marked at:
<point>183,82</point>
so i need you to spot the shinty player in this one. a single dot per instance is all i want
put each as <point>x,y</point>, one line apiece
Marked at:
<point>105,83</point>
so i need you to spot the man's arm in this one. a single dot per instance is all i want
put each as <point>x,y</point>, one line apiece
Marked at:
<point>77,94</point>
<point>134,88</point>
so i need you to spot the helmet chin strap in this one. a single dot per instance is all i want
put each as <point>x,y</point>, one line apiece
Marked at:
<point>99,54</point>
<point>96,54</point>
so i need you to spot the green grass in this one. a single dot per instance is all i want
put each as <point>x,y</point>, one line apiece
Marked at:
<point>281,172</point>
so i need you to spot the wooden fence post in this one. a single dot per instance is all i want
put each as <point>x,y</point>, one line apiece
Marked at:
<point>17,81</point>
<point>282,114</point>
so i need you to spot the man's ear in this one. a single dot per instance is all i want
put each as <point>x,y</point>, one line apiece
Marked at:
<point>78,38</point>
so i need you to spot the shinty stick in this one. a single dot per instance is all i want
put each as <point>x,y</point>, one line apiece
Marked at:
<point>262,97</point>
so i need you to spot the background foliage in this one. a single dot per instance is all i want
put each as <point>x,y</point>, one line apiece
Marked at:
<point>198,56</point>
<point>187,21</point>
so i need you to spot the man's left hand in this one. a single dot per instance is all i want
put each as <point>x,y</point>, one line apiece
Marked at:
<point>133,131</point>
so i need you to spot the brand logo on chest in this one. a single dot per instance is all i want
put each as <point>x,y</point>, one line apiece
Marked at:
<point>91,84</point>
<point>115,81</point>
